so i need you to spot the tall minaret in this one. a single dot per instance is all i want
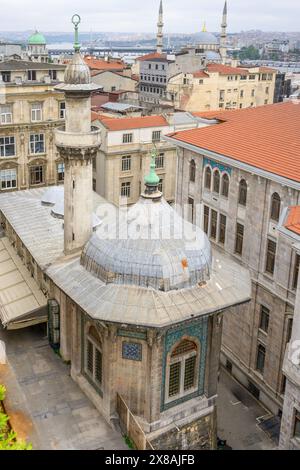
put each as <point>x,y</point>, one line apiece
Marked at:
<point>223,45</point>
<point>160,25</point>
<point>77,145</point>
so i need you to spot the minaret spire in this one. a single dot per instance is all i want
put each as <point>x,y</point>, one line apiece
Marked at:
<point>223,46</point>
<point>160,25</point>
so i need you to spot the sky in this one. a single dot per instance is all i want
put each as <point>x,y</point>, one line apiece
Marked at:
<point>180,16</point>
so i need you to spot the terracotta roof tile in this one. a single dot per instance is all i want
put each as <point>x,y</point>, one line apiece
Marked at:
<point>152,56</point>
<point>266,137</point>
<point>200,74</point>
<point>225,69</point>
<point>118,124</point>
<point>99,64</point>
<point>293,219</point>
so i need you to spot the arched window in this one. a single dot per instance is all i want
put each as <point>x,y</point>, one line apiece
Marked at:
<point>216,181</point>
<point>207,178</point>
<point>182,369</point>
<point>275,207</point>
<point>192,171</point>
<point>243,193</point>
<point>93,356</point>
<point>225,185</point>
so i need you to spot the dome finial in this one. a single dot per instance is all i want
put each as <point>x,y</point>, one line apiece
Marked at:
<point>152,179</point>
<point>76,21</point>
<point>204,30</point>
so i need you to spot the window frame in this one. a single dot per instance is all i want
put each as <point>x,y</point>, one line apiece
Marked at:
<point>270,263</point>
<point>275,207</point>
<point>41,170</point>
<point>225,175</point>
<point>33,144</point>
<point>192,171</point>
<point>264,319</point>
<point>239,238</point>
<point>126,163</point>
<point>6,117</point>
<point>36,113</point>
<point>243,193</point>
<point>97,347</point>
<point>8,141</point>
<point>216,181</point>
<point>207,171</point>
<point>296,271</point>
<point>127,190</point>
<point>127,138</point>
<point>156,136</point>
<point>3,179</point>
<point>58,168</point>
<point>259,351</point>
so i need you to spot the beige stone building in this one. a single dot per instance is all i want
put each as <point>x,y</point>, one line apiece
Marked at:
<point>239,175</point>
<point>218,86</point>
<point>111,81</point>
<point>30,110</point>
<point>124,157</point>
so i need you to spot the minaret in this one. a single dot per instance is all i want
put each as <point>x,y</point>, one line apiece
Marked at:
<point>223,46</point>
<point>77,145</point>
<point>160,25</point>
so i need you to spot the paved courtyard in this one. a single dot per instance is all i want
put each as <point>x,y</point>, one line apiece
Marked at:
<point>44,403</point>
<point>237,417</point>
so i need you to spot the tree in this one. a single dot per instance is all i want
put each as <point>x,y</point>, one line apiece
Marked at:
<point>8,438</point>
<point>249,53</point>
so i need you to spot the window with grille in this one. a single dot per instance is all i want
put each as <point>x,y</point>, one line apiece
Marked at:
<point>62,110</point>
<point>271,255</point>
<point>36,175</point>
<point>243,193</point>
<point>37,143</point>
<point>216,182</point>
<point>93,357</point>
<point>127,138</point>
<point>5,114</point>
<point>8,179</point>
<point>222,229</point>
<point>239,239</point>
<point>225,185</point>
<point>206,219</point>
<point>192,171</point>
<point>156,135</point>
<point>182,369</point>
<point>160,160</point>
<point>275,207</point>
<point>61,172</point>
<point>296,272</point>
<point>36,112</point>
<point>7,147</point>
<point>207,178</point>
<point>213,224</point>
<point>125,189</point>
<point>297,424</point>
<point>260,358</point>
<point>264,318</point>
<point>126,163</point>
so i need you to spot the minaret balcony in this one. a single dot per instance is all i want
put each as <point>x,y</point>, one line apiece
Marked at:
<point>77,139</point>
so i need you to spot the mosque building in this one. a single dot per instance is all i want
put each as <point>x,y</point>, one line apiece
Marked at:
<point>37,48</point>
<point>134,300</point>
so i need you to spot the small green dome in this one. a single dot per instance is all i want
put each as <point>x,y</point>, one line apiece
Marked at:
<point>37,39</point>
<point>152,179</point>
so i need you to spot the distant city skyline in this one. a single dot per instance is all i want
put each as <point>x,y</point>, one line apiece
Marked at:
<point>126,16</point>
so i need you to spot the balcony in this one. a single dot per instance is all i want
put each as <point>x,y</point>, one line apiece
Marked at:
<point>77,139</point>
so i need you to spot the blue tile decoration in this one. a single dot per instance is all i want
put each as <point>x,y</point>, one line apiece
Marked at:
<point>132,351</point>
<point>220,166</point>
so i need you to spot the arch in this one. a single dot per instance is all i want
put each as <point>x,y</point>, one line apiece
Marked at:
<point>192,171</point>
<point>207,178</point>
<point>225,185</point>
<point>243,190</point>
<point>182,370</point>
<point>216,181</point>
<point>275,207</point>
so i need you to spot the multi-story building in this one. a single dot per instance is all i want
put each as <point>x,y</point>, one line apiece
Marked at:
<point>243,171</point>
<point>219,86</point>
<point>30,110</point>
<point>124,156</point>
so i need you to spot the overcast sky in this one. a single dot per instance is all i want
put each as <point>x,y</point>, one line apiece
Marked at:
<point>184,16</point>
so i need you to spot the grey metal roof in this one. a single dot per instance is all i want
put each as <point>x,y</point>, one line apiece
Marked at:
<point>15,65</point>
<point>206,38</point>
<point>119,106</point>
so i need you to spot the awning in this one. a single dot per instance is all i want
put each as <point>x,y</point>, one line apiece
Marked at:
<point>22,303</point>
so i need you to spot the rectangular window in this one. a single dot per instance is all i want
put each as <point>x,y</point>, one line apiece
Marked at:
<point>53,74</point>
<point>60,172</point>
<point>260,358</point>
<point>222,229</point>
<point>37,143</point>
<point>126,163</point>
<point>36,112</point>
<point>271,255</point>
<point>296,272</point>
<point>125,189</point>
<point>62,110</point>
<point>289,330</point>
<point>7,147</point>
<point>174,380</point>
<point>297,424</point>
<point>5,114</point>
<point>213,224</point>
<point>239,239</point>
<point>31,75</point>
<point>161,185</point>
<point>156,136</point>
<point>206,219</point>
<point>127,138</point>
<point>6,77</point>
<point>189,373</point>
<point>8,179</point>
<point>36,175</point>
<point>93,362</point>
<point>191,209</point>
<point>160,160</point>
<point>264,319</point>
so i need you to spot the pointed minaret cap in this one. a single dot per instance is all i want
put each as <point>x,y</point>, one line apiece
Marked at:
<point>152,180</point>
<point>204,30</point>
<point>161,7</point>
<point>225,8</point>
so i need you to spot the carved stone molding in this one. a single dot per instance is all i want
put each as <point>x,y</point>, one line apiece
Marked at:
<point>77,153</point>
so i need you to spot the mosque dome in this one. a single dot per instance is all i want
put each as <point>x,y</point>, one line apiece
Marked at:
<point>206,38</point>
<point>37,39</point>
<point>151,245</point>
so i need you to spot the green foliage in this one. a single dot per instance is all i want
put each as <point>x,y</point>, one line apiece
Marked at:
<point>129,442</point>
<point>249,53</point>
<point>2,392</point>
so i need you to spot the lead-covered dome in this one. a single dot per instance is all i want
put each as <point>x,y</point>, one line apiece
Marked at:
<point>206,38</point>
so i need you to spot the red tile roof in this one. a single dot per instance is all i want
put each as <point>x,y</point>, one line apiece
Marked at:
<point>266,137</point>
<point>152,56</point>
<point>225,69</point>
<point>118,124</point>
<point>293,220</point>
<point>200,74</point>
<point>99,64</point>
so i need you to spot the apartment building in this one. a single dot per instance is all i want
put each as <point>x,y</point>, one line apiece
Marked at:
<point>243,171</point>
<point>30,110</point>
<point>219,86</point>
